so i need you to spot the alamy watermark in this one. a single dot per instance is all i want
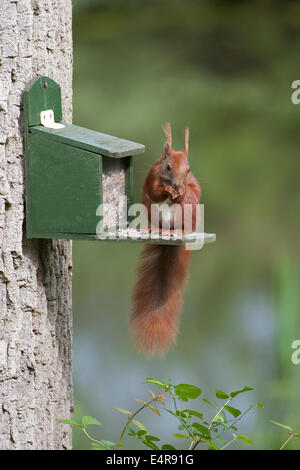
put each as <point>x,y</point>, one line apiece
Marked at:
<point>295,357</point>
<point>295,96</point>
<point>168,222</point>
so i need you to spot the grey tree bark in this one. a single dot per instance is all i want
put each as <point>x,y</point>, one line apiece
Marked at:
<point>35,275</point>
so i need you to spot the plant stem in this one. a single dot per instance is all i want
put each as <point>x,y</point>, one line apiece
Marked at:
<point>228,443</point>
<point>220,411</point>
<point>195,443</point>
<point>131,417</point>
<point>180,419</point>
<point>291,436</point>
<point>94,440</point>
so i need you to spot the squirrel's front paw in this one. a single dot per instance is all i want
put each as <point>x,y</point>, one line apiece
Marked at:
<point>170,191</point>
<point>179,195</point>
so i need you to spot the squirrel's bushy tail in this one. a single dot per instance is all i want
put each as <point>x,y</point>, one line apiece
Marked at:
<point>157,297</point>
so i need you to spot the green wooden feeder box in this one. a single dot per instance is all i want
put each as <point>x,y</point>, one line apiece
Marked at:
<point>70,171</point>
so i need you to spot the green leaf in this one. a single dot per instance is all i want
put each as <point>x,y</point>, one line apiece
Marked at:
<point>181,436</point>
<point>97,446</point>
<point>223,414</point>
<point>219,418</point>
<point>194,413</point>
<point>237,392</point>
<point>215,429</point>
<point>152,438</point>
<point>156,382</point>
<point>87,420</point>
<point>202,429</point>
<point>69,421</point>
<point>221,394</point>
<point>284,426</point>
<point>213,446</point>
<point>171,412</point>
<point>220,421</point>
<point>103,445</point>
<point>221,440</point>
<point>233,411</point>
<point>139,424</point>
<point>141,432</point>
<point>245,439</point>
<point>210,403</point>
<point>121,410</point>
<point>181,414</point>
<point>167,447</point>
<point>181,427</point>
<point>260,405</point>
<point>151,445</point>
<point>187,391</point>
<point>108,443</point>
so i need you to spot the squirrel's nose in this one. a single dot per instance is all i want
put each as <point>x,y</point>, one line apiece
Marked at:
<point>176,187</point>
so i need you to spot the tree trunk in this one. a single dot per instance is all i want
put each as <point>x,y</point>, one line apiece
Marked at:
<point>35,275</point>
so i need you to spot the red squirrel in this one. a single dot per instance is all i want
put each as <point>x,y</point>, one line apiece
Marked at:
<point>163,269</point>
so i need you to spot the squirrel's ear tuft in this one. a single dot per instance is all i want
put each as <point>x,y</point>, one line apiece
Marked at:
<point>186,140</point>
<point>165,151</point>
<point>168,133</point>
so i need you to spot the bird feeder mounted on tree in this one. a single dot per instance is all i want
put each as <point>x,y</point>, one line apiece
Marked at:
<point>70,171</point>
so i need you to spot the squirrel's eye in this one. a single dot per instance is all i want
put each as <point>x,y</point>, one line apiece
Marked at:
<point>169,167</point>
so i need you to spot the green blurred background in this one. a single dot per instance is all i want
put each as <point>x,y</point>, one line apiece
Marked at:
<point>224,69</point>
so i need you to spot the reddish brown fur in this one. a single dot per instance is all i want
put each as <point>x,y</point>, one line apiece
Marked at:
<point>162,273</point>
